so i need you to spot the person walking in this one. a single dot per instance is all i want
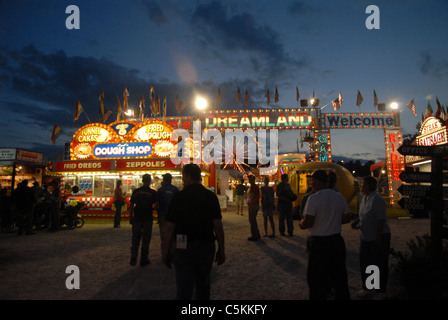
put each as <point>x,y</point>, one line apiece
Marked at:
<point>165,195</point>
<point>142,203</point>
<point>240,191</point>
<point>55,202</point>
<point>253,204</point>
<point>119,203</point>
<point>268,207</point>
<point>325,211</point>
<point>23,200</point>
<point>193,223</point>
<point>285,200</point>
<point>375,237</point>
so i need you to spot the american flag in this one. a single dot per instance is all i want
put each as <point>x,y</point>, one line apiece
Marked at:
<point>359,99</point>
<point>411,106</point>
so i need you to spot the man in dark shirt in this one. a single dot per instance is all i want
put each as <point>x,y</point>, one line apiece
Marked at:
<point>165,194</point>
<point>23,200</point>
<point>193,223</point>
<point>284,208</point>
<point>143,202</point>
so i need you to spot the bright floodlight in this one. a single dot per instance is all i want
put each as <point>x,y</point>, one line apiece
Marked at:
<point>129,112</point>
<point>394,106</point>
<point>201,103</point>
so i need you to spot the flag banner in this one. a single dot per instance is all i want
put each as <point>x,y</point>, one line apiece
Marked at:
<point>119,109</point>
<point>164,109</point>
<point>181,106</point>
<point>375,99</point>
<point>297,94</point>
<point>336,105</point>
<point>267,96</point>
<point>125,99</point>
<point>429,112</point>
<point>359,99</point>
<point>57,131</point>
<point>153,100</point>
<point>107,115</point>
<point>141,107</point>
<point>78,111</point>
<point>238,95</point>
<point>101,108</point>
<point>276,95</point>
<point>439,108</point>
<point>246,98</point>
<point>411,105</point>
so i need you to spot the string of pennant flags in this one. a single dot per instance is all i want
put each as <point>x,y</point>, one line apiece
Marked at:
<point>180,105</point>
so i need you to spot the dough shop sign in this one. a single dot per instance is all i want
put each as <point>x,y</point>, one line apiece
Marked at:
<point>122,150</point>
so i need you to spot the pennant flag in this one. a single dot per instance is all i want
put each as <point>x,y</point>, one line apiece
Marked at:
<point>246,98</point>
<point>78,111</point>
<point>153,100</point>
<point>180,107</point>
<point>429,112</point>
<point>238,95</point>
<point>411,105</point>
<point>276,95</point>
<point>267,96</point>
<point>107,115</point>
<point>57,131</point>
<point>101,109</point>
<point>125,99</point>
<point>297,93</point>
<point>375,99</point>
<point>164,109</point>
<point>301,139</point>
<point>439,108</point>
<point>219,98</point>
<point>359,99</point>
<point>141,107</point>
<point>158,105</point>
<point>443,115</point>
<point>119,109</point>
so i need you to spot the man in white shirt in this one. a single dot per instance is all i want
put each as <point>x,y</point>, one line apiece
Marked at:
<point>325,211</point>
<point>375,236</point>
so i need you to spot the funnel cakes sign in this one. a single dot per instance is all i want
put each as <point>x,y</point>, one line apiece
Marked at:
<point>97,141</point>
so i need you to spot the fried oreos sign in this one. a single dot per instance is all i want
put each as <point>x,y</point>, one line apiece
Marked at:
<point>359,120</point>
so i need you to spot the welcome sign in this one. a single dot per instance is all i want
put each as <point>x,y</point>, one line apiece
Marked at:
<point>359,120</point>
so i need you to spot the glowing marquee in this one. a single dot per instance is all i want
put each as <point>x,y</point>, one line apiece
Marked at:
<point>275,119</point>
<point>122,140</point>
<point>432,132</point>
<point>395,162</point>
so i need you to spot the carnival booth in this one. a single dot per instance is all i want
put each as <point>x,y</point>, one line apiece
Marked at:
<point>17,165</point>
<point>101,154</point>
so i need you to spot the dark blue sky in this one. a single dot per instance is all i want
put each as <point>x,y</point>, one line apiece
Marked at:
<point>187,48</point>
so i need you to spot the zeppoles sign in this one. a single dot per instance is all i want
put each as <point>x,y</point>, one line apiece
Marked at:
<point>359,120</point>
<point>282,119</point>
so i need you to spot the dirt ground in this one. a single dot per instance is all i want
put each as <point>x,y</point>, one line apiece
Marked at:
<point>33,267</point>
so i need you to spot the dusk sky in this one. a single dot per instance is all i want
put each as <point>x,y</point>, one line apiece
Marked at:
<point>187,48</point>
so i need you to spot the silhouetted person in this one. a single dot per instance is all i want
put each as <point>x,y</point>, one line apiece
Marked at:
<point>194,223</point>
<point>23,200</point>
<point>165,194</point>
<point>268,206</point>
<point>284,207</point>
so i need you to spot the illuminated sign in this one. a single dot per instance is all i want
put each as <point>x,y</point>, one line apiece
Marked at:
<point>82,166</point>
<point>432,132</point>
<point>359,120</point>
<point>275,119</point>
<point>122,139</point>
<point>132,165</point>
<point>322,146</point>
<point>114,150</point>
<point>395,162</point>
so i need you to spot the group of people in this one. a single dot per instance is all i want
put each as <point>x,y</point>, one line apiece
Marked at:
<point>266,197</point>
<point>28,206</point>
<point>189,223</point>
<point>323,210</point>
